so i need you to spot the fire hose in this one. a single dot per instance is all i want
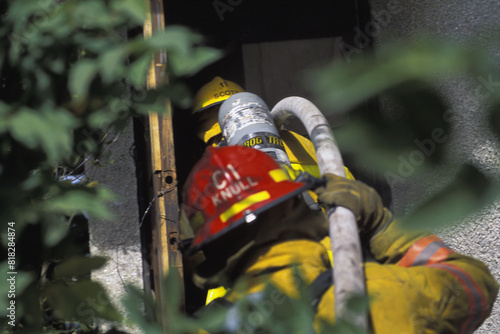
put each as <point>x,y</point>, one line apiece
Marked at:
<point>348,270</point>
<point>245,120</point>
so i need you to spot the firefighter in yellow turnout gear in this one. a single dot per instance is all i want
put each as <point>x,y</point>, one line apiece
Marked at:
<point>255,230</point>
<point>206,104</point>
<point>299,149</point>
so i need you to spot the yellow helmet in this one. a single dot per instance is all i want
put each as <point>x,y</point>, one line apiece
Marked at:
<point>213,93</point>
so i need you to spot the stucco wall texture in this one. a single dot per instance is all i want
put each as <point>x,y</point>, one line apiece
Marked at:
<point>470,139</point>
<point>118,239</point>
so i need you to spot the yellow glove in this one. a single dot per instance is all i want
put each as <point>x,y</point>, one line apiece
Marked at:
<point>361,199</point>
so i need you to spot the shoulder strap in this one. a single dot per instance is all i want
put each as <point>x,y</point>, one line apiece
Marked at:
<point>319,286</point>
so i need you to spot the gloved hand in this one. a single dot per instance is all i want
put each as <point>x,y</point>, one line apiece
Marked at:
<point>364,202</point>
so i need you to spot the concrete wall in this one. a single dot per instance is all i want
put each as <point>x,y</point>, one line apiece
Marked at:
<point>118,239</point>
<point>460,21</point>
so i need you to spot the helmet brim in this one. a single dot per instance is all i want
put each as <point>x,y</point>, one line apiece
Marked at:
<point>201,110</point>
<point>286,189</point>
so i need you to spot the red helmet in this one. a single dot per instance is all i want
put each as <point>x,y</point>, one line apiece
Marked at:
<point>229,187</point>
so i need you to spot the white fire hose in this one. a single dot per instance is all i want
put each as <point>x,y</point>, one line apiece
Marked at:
<point>348,270</point>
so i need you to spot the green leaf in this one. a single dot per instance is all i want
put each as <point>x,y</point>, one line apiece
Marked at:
<point>57,66</point>
<point>418,135</point>
<point>56,22</point>
<point>101,119</point>
<point>3,55</point>
<point>83,301</point>
<point>82,200</point>
<point>78,266</point>
<point>192,62</point>
<point>343,87</point>
<point>469,191</point>
<point>22,281</point>
<point>115,331</point>
<point>345,327</point>
<point>92,45</point>
<point>54,231</point>
<point>49,129</point>
<point>30,310</point>
<point>33,181</point>
<point>4,110</point>
<point>213,320</point>
<point>138,70</point>
<point>62,299</point>
<point>134,302</point>
<point>422,111</point>
<point>4,290</point>
<point>112,65</point>
<point>92,14</point>
<point>174,38</point>
<point>42,80</point>
<point>154,100</point>
<point>171,291</point>
<point>19,11</point>
<point>134,9</point>
<point>80,77</point>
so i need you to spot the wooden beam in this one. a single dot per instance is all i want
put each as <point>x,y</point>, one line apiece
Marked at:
<point>166,255</point>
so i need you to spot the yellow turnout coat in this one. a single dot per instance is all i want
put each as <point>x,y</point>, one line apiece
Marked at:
<point>416,283</point>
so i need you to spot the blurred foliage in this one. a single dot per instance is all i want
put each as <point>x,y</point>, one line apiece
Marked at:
<point>415,138</point>
<point>71,73</point>
<point>267,312</point>
<point>74,71</point>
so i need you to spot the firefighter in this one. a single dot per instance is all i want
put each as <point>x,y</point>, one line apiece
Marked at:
<point>206,108</point>
<point>299,149</point>
<point>206,104</point>
<point>254,229</point>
